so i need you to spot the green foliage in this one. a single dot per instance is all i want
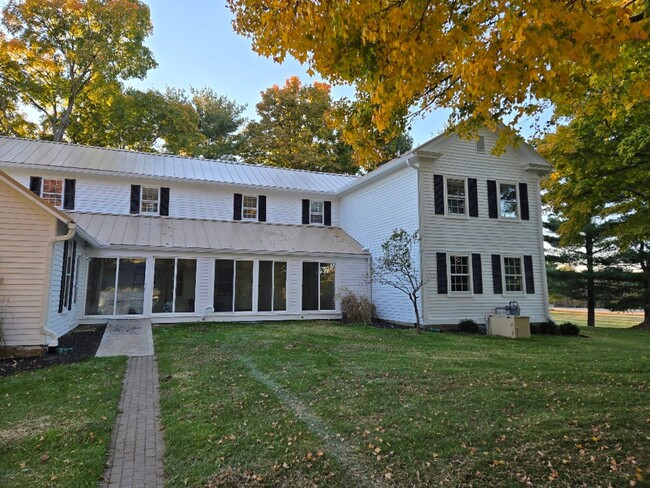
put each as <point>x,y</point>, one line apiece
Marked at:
<point>57,51</point>
<point>468,326</point>
<point>293,130</point>
<point>356,308</point>
<point>396,267</point>
<point>568,329</point>
<point>546,328</point>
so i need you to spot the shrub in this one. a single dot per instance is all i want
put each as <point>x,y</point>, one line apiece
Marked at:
<point>534,328</point>
<point>548,328</point>
<point>356,307</point>
<point>569,329</point>
<point>468,326</point>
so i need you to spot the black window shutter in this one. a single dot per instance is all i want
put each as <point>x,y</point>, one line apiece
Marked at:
<point>477,274</point>
<point>62,289</point>
<point>528,270</point>
<point>439,194</point>
<point>164,201</point>
<point>35,184</point>
<point>261,208</point>
<point>71,285</point>
<point>493,209</point>
<point>327,206</point>
<point>135,199</point>
<point>441,265</point>
<point>473,197</point>
<point>305,211</point>
<point>496,273</point>
<point>523,201</point>
<point>68,194</point>
<point>236,206</point>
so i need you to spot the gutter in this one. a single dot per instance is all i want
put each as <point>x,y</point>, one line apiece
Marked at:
<point>48,277</point>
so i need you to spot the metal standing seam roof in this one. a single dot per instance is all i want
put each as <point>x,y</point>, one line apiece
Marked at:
<point>166,233</point>
<point>63,156</point>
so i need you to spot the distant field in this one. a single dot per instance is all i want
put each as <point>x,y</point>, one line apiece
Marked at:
<point>619,320</point>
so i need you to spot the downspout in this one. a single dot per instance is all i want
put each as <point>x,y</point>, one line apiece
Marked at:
<point>45,305</point>
<point>415,164</point>
<point>542,255</point>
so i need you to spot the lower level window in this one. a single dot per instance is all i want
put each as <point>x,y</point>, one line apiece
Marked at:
<point>233,286</point>
<point>459,274</point>
<point>115,286</point>
<point>272,286</point>
<point>512,274</point>
<point>174,285</point>
<point>318,286</point>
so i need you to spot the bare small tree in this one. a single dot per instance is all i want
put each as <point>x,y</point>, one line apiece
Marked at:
<point>396,267</point>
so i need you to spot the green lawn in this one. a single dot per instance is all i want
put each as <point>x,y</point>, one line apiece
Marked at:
<point>603,319</point>
<point>303,404</point>
<point>55,423</point>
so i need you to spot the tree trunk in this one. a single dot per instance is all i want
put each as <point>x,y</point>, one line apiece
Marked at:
<point>591,293</point>
<point>414,301</point>
<point>645,267</point>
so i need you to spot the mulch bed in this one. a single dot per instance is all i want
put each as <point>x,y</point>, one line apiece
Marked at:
<point>77,345</point>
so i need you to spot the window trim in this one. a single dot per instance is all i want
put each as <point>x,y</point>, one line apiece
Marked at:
<point>42,191</point>
<point>244,207</point>
<point>470,275</point>
<point>465,214</point>
<point>518,211</point>
<point>175,283</point>
<point>142,200</point>
<point>321,213</point>
<point>522,274</point>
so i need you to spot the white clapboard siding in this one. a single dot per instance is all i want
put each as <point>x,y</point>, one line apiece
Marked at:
<point>64,322</point>
<point>369,215</point>
<point>110,195</point>
<point>25,231</point>
<point>479,235</point>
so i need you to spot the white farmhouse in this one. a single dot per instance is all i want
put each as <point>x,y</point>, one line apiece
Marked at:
<point>91,233</point>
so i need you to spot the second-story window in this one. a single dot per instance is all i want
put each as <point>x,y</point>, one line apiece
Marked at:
<point>249,208</point>
<point>52,192</point>
<point>316,212</point>
<point>150,200</point>
<point>456,197</point>
<point>508,200</point>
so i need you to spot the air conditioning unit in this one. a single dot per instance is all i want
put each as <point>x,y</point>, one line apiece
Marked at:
<point>509,326</point>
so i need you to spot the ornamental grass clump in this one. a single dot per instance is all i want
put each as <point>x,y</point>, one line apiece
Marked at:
<point>356,308</point>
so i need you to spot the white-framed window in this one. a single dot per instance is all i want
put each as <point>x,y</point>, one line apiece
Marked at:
<point>508,208</point>
<point>150,200</point>
<point>512,274</point>
<point>52,192</point>
<point>456,196</point>
<point>316,212</point>
<point>460,280</point>
<point>318,286</point>
<point>249,208</point>
<point>480,144</point>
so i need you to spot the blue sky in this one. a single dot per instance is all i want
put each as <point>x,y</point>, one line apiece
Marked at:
<point>195,45</point>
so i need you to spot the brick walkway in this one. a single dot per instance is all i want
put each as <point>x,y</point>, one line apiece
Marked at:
<point>137,446</point>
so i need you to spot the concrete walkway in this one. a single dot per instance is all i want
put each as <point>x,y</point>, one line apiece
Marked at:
<point>136,454</point>
<point>127,337</point>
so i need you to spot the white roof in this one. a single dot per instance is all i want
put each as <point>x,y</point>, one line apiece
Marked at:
<point>62,156</point>
<point>164,233</point>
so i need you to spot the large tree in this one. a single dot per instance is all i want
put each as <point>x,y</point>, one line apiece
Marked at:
<point>59,50</point>
<point>483,59</point>
<point>293,131</point>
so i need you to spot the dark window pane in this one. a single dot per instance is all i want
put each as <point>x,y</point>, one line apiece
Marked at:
<point>130,287</point>
<point>185,285</point>
<point>280,286</point>
<point>265,286</point>
<point>244,286</point>
<point>327,286</point>
<point>223,285</point>
<point>310,286</point>
<point>163,286</point>
<point>100,292</point>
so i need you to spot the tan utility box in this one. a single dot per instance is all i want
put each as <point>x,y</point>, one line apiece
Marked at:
<point>509,326</point>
